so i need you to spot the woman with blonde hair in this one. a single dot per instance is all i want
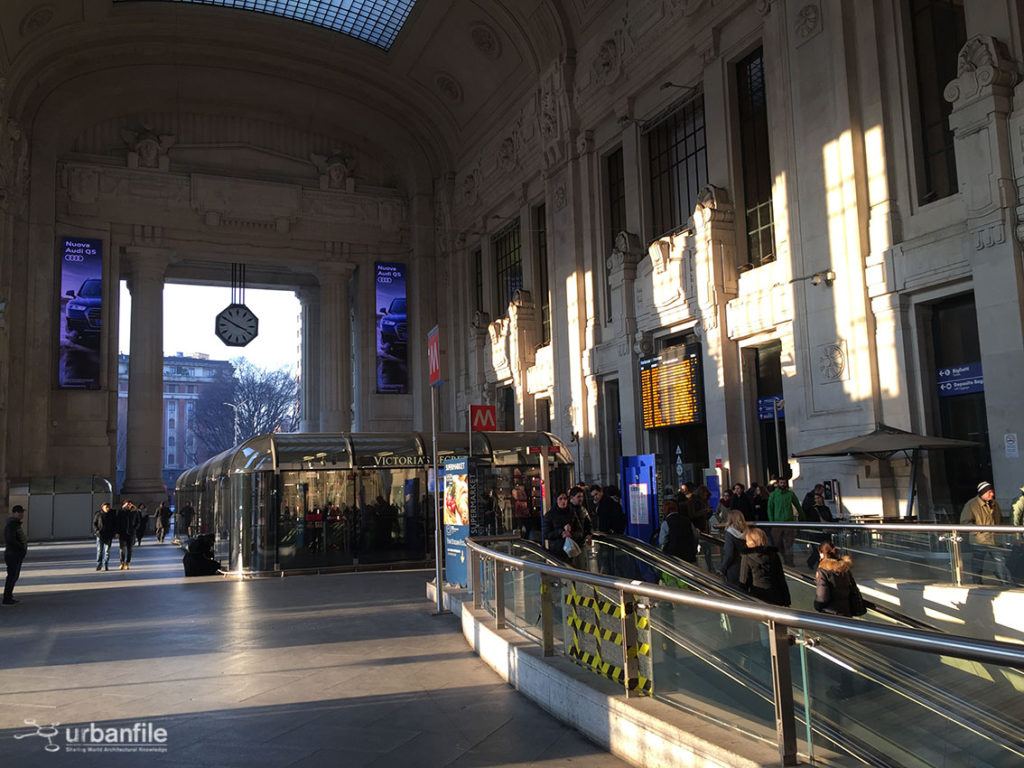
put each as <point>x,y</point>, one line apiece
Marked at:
<point>735,542</point>
<point>761,573</point>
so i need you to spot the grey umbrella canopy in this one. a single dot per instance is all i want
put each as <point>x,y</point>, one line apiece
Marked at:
<point>881,443</point>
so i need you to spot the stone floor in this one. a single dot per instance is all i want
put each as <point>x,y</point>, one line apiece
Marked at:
<point>333,670</point>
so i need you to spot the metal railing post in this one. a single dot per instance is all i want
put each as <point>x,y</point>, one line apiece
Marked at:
<point>782,685</point>
<point>630,662</point>
<point>499,594</point>
<point>956,560</point>
<point>476,582</point>
<point>547,614</point>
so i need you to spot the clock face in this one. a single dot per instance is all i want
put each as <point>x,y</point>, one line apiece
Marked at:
<point>236,325</point>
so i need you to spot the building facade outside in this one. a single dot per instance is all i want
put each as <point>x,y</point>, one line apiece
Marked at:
<point>806,212</point>
<point>186,377</point>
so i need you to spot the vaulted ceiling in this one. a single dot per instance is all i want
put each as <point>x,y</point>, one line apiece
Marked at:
<point>450,74</point>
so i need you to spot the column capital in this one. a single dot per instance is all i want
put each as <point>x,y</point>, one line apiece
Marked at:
<point>151,262</point>
<point>326,270</point>
<point>307,295</point>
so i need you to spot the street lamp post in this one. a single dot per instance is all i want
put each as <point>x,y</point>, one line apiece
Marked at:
<point>234,408</point>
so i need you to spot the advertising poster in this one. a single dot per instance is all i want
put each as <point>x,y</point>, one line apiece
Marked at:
<point>456,519</point>
<point>81,312</point>
<point>392,329</point>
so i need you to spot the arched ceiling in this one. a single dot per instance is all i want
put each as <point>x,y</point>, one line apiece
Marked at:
<point>455,68</point>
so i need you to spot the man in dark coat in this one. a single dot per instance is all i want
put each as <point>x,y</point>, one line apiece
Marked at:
<point>15,549</point>
<point>678,535</point>
<point>608,511</point>
<point>127,525</point>
<point>104,528</point>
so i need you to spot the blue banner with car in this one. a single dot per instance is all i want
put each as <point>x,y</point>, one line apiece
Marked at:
<point>392,329</point>
<point>81,312</point>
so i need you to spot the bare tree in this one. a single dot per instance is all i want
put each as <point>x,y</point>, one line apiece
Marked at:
<point>265,399</point>
<point>262,400</point>
<point>212,421</point>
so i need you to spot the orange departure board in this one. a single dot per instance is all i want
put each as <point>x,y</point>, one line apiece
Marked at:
<point>671,390</point>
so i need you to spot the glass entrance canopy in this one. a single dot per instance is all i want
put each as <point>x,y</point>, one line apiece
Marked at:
<point>376,22</point>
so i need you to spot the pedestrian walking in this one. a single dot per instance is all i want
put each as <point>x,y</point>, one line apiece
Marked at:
<point>104,528</point>
<point>163,521</point>
<point>982,509</point>
<point>783,507</point>
<point>15,549</point>
<point>127,525</point>
<point>837,593</point>
<point>761,573</point>
<point>143,524</point>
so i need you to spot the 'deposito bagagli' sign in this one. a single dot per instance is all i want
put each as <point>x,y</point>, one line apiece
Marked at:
<point>963,379</point>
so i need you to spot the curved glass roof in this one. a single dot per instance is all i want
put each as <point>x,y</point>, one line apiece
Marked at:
<point>325,451</point>
<point>376,22</point>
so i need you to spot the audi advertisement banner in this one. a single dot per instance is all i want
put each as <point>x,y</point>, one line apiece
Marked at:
<point>81,312</point>
<point>392,329</point>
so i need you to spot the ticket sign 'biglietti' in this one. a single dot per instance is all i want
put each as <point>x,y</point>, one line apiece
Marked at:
<point>671,387</point>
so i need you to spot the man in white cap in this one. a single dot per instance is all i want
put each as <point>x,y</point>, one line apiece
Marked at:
<point>982,509</point>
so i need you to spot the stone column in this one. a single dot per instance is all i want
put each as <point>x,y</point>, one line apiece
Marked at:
<point>990,170</point>
<point>335,347</point>
<point>310,378</point>
<point>144,450</point>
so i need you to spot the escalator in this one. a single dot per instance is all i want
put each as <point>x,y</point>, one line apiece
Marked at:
<point>885,705</point>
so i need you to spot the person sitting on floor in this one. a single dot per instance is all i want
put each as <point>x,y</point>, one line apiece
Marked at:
<point>198,560</point>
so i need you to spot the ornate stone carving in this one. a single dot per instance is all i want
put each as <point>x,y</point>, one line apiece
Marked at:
<point>336,170</point>
<point>480,320</point>
<point>764,7</point>
<point>560,197</point>
<point>983,62</point>
<point>988,236</point>
<point>607,64</point>
<point>36,19</point>
<point>146,149</point>
<point>686,7</point>
<point>449,87</point>
<point>486,40</point>
<point>554,111</point>
<point>508,156</point>
<point>585,142</point>
<point>471,188</point>
<point>626,250</point>
<point>831,362</point>
<point>14,168</point>
<point>807,22</point>
<point>660,252</point>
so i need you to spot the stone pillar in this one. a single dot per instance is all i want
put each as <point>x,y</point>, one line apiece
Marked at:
<point>335,347</point>
<point>144,450</point>
<point>622,274</point>
<point>310,378</point>
<point>986,141</point>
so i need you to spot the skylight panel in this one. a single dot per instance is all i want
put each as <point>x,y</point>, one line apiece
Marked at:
<point>376,22</point>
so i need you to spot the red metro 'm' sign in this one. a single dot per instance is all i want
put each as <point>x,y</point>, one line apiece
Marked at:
<point>483,418</point>
<point>434,355</point>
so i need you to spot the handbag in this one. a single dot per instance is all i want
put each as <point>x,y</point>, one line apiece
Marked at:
<point>572,549</point>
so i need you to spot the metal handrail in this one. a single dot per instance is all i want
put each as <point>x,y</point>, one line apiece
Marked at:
<point>932,527</point>
<point>779,621</point>
<point>991,651</point>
